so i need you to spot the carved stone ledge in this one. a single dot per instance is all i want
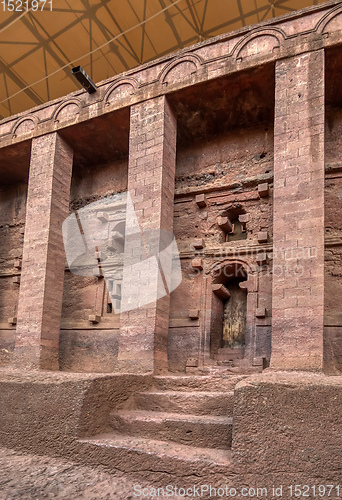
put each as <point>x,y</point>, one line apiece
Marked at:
<point>221,291</point>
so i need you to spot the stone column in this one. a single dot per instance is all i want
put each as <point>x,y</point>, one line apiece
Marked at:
<point>42,277</point>
<point>151,178</point>
<point>298,232</point>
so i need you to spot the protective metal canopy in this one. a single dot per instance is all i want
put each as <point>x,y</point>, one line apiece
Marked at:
<point>38,47</point>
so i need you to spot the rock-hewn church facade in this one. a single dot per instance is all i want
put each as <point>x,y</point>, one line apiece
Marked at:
<point>233,145</point>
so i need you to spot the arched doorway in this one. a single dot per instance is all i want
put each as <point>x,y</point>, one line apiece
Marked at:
<point>228,325</point>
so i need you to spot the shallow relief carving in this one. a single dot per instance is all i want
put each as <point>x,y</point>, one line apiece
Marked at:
<point>120,91</point>
<point>67,112</point>
<point>180,69</point>
<point>330,22</point>
<point>260,43</point>
<point>25,126</point>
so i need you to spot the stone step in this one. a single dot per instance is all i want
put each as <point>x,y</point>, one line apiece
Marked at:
<point>226,368</point>
<point>226,357</point>
<point>216,382</point>
<point>193,430</point>
<point>196,403</point>
<point>227,354</point>
<point>158,461</point>
<point>222,356</point>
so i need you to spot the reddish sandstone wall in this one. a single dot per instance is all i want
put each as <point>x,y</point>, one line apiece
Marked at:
<point>90,183</point>
<point>227,159</point>
<point>12,224</point>
<point>228,170</point>
<point>46,413</point>
<point>184,333</point>
<point>288,424</point>
<point>85,347</point>
<point>333,243</point>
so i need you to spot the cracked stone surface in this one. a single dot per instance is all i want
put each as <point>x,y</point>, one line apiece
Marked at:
<point>32,477</point>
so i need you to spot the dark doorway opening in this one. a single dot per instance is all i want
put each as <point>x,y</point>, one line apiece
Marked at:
<point>234,315</point>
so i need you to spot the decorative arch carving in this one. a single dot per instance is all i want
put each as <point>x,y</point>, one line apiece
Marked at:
<point>121,89</point>
<point>180,68</point>
<point>216,270</point>
<point>259,42</point>
<point>330,22</point>
<point>67,111</point>
<point>24,126</point>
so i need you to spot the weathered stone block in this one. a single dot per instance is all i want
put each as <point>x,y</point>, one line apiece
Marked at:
<point>263,190</point>
<point>262,237</point>
<point>198,244</point>
<point>94,318</point>
<point>300,412</point>
<point>260,312</point>
<point>225,224</point>
<point>197,264</point>
<point>194,313</point>
<point>244,218</point>
<point>221,291</point>
<point>201,200</point>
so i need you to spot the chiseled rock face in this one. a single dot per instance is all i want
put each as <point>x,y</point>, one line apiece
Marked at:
<point>288,423</point>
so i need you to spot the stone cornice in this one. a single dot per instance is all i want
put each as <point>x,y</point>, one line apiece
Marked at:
<point>306,30</point>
